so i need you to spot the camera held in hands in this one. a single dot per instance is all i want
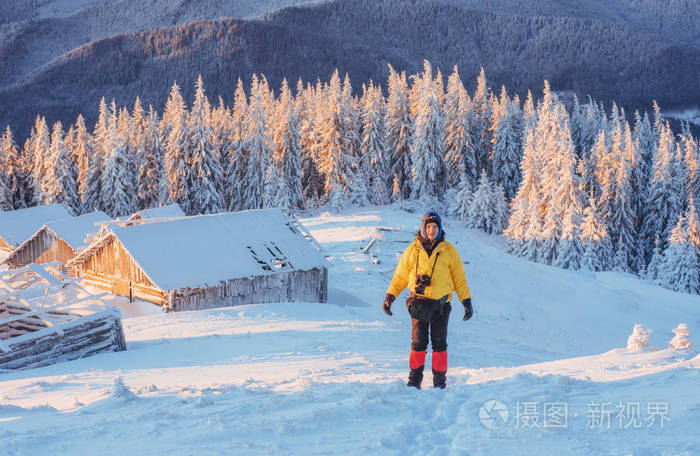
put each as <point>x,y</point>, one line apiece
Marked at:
<point>422,281</point>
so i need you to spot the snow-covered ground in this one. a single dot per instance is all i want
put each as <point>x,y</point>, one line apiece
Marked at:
<point>541,368</point>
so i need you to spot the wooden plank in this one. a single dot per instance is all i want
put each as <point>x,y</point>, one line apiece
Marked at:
<point>82,337</point>
<point>48,309</point>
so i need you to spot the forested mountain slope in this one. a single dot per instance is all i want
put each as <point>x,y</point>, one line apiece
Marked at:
<point>608,60</point>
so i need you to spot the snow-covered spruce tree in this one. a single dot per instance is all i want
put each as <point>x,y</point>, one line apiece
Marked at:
<point>152,172</point>
<point>456,140</point>
<point>125,129</point>
<point>657,259</point>
<point>428,146</point>
<point>174,122</point>
<point>41,142</point>
<point>118,192</point>
<point>507,144</point>
<point>288,153</point>
<point>548,137</point>
<point>569,254</point>
<point>526,203</point>
<point>92,193</point>
<point>479,122</point>
<point>373,147</point>
<point>60,181</point>
<point>680,268</point>
<point>692,222</point>
<point>234,155</point>
<point>646,142</point>
<point>8,150</point>
<point>481,209</point>
<point>398,133</point>
<point>205,167</point>
<point>595,244</point>
<point>350,113</point>
<point>664,193</point>
<point>459,205</point>
<point>529,116</point>
<point>560,182</point>
<point>310,103</point>
<point>11,174</point>
<point>82,151</point>
<point>691,159</point>
<point>334,162</point>
<point>220,124</point>
<point>258,146</point>
<point>591,161</point>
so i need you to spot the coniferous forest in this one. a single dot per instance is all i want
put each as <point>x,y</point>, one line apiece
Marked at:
<point>578,186</point>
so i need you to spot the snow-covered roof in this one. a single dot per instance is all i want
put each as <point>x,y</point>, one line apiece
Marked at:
<point>17,226</point>
<point>171,210</point>
<point>203,250</point>
<point>74,230</point>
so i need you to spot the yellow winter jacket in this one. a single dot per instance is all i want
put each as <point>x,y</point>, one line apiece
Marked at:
<point>445,264</point>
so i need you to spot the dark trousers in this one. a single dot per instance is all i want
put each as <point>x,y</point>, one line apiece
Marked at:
<point>436,328</point>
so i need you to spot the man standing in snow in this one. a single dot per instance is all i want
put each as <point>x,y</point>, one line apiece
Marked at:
<point>432,270</point>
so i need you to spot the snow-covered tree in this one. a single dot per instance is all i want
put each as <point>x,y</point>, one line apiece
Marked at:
<point>638,341</point>
<point>481,209</point>
<point>258,145</point>
<point>60,182</point>
<point>373,147</point>
<point>681,340</point>
<point>569,252</point>
<point>118,190</point>
<point>459,204</point>
<point>595,243</point>
<point>506,152</point>
<point>428,146</point>
<point>398,132</point>
<point>664,193</point>
<point>82,150</point>
<point>334,162</point>
<point>525,206</point>
<point>174,124</point>
<point>13,184</point>
<point>41,142</point>
<point>479,122</point>
<point>151,172</point>
<point>8,151</point>
<point>204,165</point>
<point>680,268</point>
<point>456,129</point>
<point>288,153</point>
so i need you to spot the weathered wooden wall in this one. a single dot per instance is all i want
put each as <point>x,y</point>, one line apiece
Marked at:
<point>311,285</point>
<point>112,269</point>
<point>84,336</point>
<point>124,287</point>
<point>45,248</point>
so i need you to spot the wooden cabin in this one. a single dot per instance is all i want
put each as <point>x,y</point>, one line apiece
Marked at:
<point>207,261</point>
<point>56,241</point>
<point>17,226</point>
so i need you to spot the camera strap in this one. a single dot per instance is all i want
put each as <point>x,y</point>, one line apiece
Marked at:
<point>437,254</point>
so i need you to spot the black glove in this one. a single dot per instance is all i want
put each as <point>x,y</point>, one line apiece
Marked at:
<point>468,311</point>
<point>386,307</point>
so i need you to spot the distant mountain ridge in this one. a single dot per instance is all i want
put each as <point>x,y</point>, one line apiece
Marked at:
<point>609,60</point>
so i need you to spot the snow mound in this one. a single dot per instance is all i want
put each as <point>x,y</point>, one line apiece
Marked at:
<point>122,392</point>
